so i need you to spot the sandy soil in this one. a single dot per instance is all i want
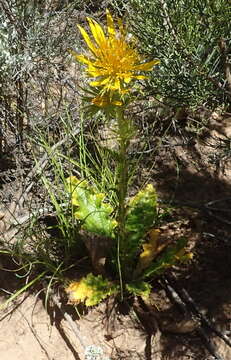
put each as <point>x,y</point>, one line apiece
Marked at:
<point>27,333</point>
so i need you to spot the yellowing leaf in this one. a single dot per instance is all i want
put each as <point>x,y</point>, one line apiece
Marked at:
<point>139,288</point>
<point>170,257</point>
<point>141,214</point>
<point>90,290</point>
<point>78,292</point>
<point>149,251</point>
<point>183,257</point>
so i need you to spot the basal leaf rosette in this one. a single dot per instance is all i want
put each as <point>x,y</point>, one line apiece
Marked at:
<point>90,290</point>
<point>150,250</point>
<point>141,214</point>
<point>139,288</point>
<point>90,208</point>
<point>172,256</point>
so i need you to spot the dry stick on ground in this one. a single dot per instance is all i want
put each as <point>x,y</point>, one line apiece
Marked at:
<point>204,321</point>
<point>177,298</point>
<point>191,307</point>
<point>72,324</point>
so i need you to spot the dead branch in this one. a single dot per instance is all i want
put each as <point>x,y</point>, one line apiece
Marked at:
<point>192,307</point>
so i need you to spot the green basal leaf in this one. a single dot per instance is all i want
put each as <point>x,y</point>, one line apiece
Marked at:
<point>90,208</point>
<point>171,256</point>
<point>90,290</point>
<point>139,288</point>
<point>141,214</point>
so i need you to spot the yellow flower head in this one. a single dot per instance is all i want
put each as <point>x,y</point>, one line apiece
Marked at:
<point>113,61</point>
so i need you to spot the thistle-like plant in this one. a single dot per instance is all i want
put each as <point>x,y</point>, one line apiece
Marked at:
<point>115,64</point>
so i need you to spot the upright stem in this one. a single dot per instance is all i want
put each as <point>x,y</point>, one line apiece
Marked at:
<point>123,141</point>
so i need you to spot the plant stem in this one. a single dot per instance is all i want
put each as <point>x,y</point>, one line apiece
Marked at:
<point>123,141</point>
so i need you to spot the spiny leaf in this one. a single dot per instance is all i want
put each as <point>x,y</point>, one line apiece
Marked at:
<point>139,288</point>
<point>90,290</point>
<point>90,208</point>
<point>150,251</point>
<point>171,256</point>
<point>140,217</point>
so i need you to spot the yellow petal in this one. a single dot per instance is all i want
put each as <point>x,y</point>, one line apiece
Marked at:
<point>121,28</point>
<point>117,103</point>
<point>81,58</point>
<point>93,71</point>
<point>117,84</point>
<point>100,82</point>
<point>127,79</point>
<point>139,77</point>
<point>87,40</point>
<point>147,66</point>
<point>97,32</point>
<point>110,24</point>
<point>115,63</point>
